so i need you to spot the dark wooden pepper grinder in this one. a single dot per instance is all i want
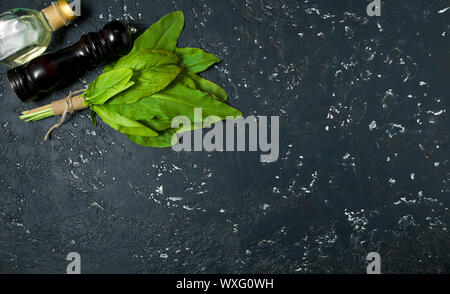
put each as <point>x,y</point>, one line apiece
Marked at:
<point>43,74</point>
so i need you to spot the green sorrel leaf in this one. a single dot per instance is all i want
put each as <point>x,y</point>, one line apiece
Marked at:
<point>146,59</point>
<point>162,35</point>
<point>208,86</point>
<point>164,140</point>
<point>94,118</point>
<point>109,66</point>
<point>176,100</point>
<point>108,85</point>
<point>196,60</point>
<point>123,124</point>
<point>148,82</point>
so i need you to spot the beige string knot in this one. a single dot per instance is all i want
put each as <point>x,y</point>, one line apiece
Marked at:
<point>68,108</point>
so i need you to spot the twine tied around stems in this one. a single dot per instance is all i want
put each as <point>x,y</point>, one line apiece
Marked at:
<point>68,109</point>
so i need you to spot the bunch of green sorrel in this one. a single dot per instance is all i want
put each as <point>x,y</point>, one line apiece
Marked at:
<point>140,94</point>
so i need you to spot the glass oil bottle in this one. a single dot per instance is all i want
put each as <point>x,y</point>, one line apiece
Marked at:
<point>26,33</point>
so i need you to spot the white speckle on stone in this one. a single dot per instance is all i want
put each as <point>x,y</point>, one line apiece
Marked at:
<point>176,167</point>
<point>188,207</point>
<point>95,204</point>
<point>436,113</point>
<point>380,28</point>
<point>74,175</point>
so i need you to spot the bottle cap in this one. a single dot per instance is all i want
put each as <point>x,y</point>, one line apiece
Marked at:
<point>59,14</point>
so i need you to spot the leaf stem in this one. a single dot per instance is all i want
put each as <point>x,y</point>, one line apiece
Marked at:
<point>33,115</point>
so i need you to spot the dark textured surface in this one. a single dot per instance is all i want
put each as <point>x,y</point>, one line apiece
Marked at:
<point>363,105</point>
